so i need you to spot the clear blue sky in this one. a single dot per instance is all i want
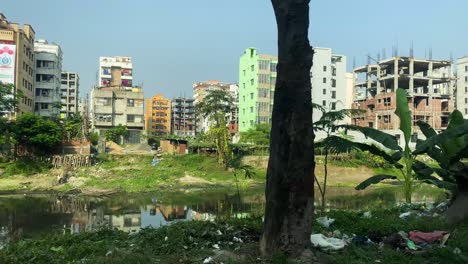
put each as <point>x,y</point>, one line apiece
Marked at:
<point>177,43</point>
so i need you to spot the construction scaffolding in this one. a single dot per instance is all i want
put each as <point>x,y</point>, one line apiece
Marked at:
<point>429,85</point>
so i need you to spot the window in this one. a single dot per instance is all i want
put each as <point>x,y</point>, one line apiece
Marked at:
<point>263,64</point>
<point>333,94</point>
<point>466,111</point>
<point>251,95</point>
<point>243,85</point>
<point>251,81</point>
<point>333,83</point>
<point>324,91</point>
<point>243,111</point>
<point>466,89</point>
<point>251,109</point>
<point>44,106</point>
<point>243,98</point>
<point>272,80</point>
<point>333,106</point>
<point>264,78</point>
<point>414,137</point>
<point>243,72</point>
<point>466,100</point>
<point>130,118</point>
<point>466,78</point>
<point>324,103</point>
<point>466,68</point>
<point>387,101</point>
<point>386,118</point>
<point>397,137</point>
<point>251,122</point>
<point>324,68</point>
<point>130,102</point>
<point>324,80</point>
<point>263,93</point>
<point>273,66</point>
<point>252,67</point>
<point>371,124</point>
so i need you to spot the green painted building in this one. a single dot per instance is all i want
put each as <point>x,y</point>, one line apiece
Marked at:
<point>257,78</point>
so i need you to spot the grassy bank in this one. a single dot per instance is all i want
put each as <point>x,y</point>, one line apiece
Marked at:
<point>192,242</point>
<point>129,173</point>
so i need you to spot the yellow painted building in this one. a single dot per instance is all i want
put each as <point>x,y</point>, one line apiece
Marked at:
<point>158,116</point>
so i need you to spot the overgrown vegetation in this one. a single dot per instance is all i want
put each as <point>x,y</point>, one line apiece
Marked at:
<point>193,242</point>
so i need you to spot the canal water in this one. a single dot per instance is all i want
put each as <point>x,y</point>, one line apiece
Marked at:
<point>29,215</point>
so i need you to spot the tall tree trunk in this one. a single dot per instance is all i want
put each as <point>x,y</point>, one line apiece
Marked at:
<point>290,175</point>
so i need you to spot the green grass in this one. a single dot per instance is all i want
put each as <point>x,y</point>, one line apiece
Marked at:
<point>134,173</point>
<point>192,242</point>
<point>25,167</point>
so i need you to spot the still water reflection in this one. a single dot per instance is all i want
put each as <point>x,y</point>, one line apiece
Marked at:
<point>26,215</point>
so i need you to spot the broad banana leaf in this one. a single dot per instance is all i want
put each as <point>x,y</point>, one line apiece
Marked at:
<point>403,112</point>
<point>374,180</point>
<point>383,138</point>
<point>443,138</point>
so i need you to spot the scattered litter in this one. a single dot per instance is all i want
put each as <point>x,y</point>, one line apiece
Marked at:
<point>367,215</point>
<point>337,234</point>
<point>325,221</point>
<point>395,241</point>
<point>236,239</point>
<point>457,251</point>
<point>411,245</point>
<point>218,232</point>
<point>442,206</point>
<point>403,234</point>
<point>109,253</point>
<point>207,260</point>
<point>216,246</point>
<point>166,238</point>
<point>422,237</point>
<point>362,240</point>
<point>327,243</point>
<point>405,215</point>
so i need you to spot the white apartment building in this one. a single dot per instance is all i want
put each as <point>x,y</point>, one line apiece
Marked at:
<point>111,67</point>
<point>48,64</point>
<point>70,83</point>
<point>462,86</point>
<point>331,84</point>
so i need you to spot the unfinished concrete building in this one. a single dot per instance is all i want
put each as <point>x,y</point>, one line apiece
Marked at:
<point>429,85</point>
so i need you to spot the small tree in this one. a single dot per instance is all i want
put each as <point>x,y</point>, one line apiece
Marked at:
<point>328,124</point>
<point>8,98</point>
<point>116,134</point>
<point>258,135</point>
<point>215,106</point>
<point>36,134</point>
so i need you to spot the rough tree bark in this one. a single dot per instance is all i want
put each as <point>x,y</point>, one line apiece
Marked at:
<point>290,175</point>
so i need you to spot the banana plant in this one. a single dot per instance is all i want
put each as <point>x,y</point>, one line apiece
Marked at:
<point>401,158</point>
<point>448,149</point>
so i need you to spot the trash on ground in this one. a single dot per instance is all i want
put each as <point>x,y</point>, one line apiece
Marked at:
<point>395,241</point>
<point>327,243</point>
<point>207,260</point>
<point>430,238</point>
<point>325,221</point>
<point>362,241</point>
<point>411,245</point>
<point>457,251</point>
<point>405,215</point>
<point>367,215</point>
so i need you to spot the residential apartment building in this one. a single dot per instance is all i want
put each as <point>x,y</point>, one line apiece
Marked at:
<point>257,79</point>
<point>429,85</point>
<point>184,118</point>
<point>202,89</point>
<point>329,80</point>
<point>116,103</point>
<point>69,87</point>
<point>17,62</point>
<point>158,116</point>
<point>115,71</point>
<point>48,59</point>
<point>462,86</point>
